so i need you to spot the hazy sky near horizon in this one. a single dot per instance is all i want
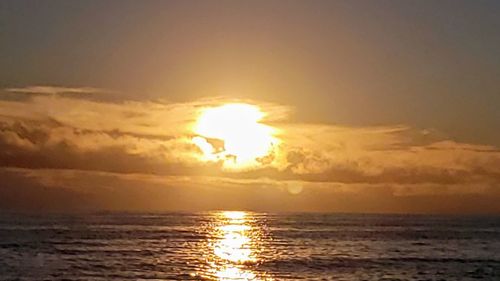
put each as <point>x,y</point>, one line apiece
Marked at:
<point>382,106</point>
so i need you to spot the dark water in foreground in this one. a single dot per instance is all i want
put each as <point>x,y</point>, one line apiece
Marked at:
<point>249,246</point>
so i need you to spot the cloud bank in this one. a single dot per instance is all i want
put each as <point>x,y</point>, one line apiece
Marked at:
<point>59,151</point>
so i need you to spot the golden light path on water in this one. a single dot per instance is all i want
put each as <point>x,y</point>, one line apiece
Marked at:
<point>234,248</point>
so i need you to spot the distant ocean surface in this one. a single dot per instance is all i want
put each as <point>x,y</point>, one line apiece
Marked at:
<point>248,246</point>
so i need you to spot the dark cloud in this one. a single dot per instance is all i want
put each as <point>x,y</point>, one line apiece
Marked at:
<point>317,168</point>
<point>30,146</point>
<point>85,191</point>
<point>23,193</point>
<point>26,94</point>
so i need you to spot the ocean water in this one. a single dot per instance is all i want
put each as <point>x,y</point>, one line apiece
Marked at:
<point>248,246</point>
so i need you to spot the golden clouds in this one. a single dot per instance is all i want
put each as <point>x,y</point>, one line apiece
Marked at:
<point>152,143</point>
<point>189,134</point>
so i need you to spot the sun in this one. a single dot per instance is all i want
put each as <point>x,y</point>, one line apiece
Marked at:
<point>232,133</point>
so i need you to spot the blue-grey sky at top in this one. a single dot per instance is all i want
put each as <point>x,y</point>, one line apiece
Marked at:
<point>428,64</point>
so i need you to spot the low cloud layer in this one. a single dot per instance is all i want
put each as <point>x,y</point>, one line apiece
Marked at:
<point>55,147</point>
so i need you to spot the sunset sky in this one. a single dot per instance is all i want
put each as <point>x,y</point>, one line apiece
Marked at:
<point>342,106</point>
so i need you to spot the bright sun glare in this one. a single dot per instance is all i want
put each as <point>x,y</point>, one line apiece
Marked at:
<point>237,125</point>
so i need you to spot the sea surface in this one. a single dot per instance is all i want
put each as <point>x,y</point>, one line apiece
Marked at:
<point>248,246</point>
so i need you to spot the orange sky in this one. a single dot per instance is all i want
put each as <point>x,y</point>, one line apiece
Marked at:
<point>360,106</point>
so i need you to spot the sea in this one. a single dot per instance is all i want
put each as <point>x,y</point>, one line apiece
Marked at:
<point>242,245</point>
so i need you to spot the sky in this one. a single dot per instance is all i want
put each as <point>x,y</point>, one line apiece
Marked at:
<point>363,106</point>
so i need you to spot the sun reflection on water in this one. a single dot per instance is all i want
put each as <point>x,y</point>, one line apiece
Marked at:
<point>234,247</point>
